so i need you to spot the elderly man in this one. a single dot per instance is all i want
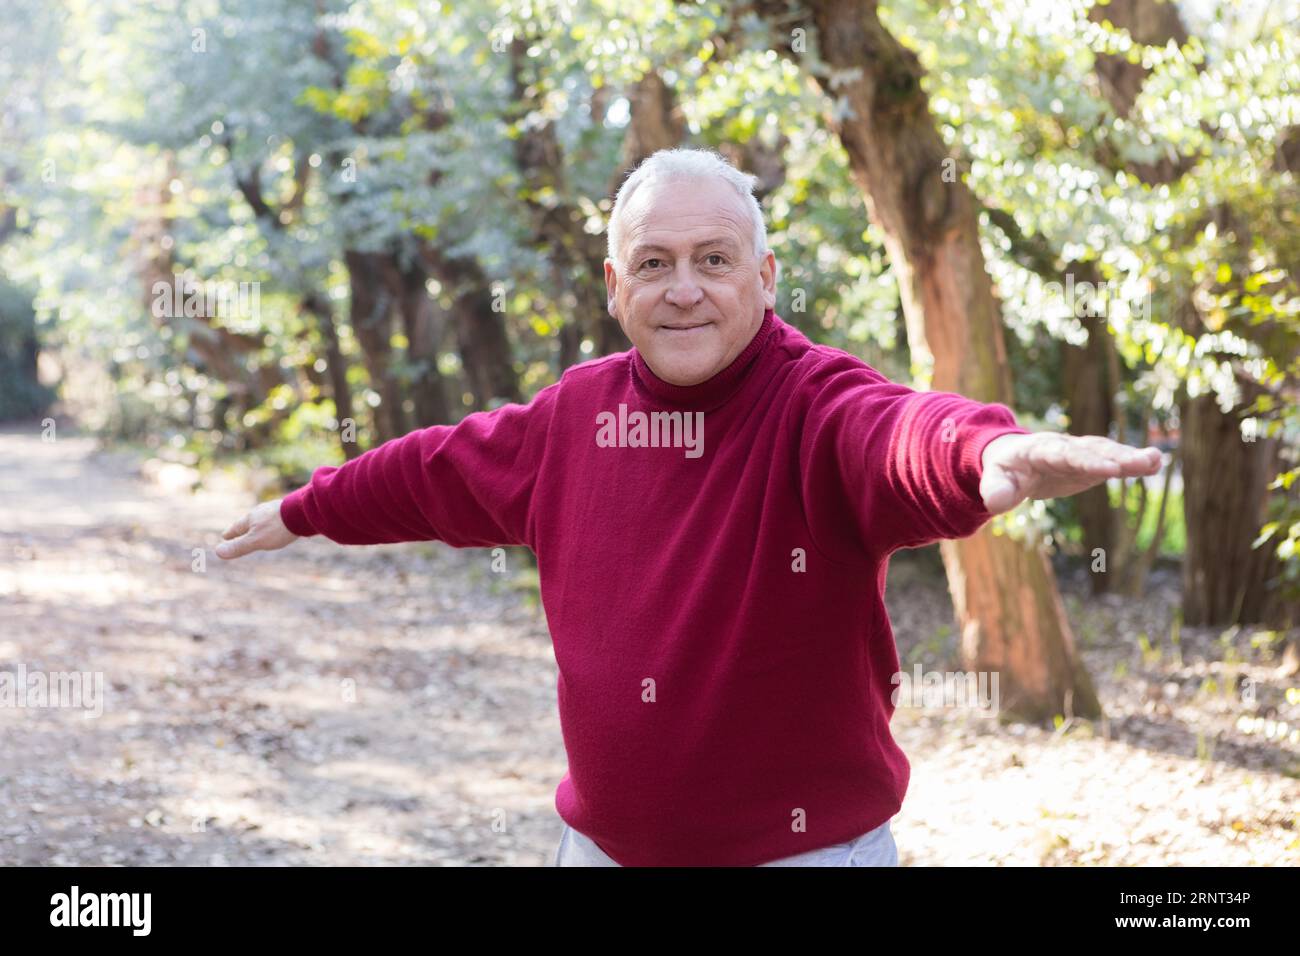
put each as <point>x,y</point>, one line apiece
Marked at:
<point>713,513</point>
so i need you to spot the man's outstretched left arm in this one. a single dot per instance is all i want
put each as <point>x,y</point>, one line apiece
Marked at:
<point>908,468</point>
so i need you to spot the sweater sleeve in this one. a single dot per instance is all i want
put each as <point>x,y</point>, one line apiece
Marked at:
<point>887,467</point>
<point>469,485</point>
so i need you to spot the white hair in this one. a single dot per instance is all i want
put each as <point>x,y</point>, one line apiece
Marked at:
<point>682,164</point>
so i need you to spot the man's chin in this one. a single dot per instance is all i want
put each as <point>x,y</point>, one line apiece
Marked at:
<point>683,374</point>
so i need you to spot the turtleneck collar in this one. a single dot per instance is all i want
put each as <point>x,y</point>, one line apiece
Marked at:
<point>714,391</point>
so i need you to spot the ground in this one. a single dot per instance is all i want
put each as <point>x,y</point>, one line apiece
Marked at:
<point>396,705</point>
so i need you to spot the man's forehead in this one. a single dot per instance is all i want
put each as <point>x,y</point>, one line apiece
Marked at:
<point>669,238</point>
<point>685,205</point>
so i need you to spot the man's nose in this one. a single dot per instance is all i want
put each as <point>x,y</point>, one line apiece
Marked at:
<point>684,291</point>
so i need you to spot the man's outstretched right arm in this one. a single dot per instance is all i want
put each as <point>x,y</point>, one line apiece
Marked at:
<point>470,485</point>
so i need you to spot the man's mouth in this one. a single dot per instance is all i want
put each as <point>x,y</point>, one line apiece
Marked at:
<point>684,326</point>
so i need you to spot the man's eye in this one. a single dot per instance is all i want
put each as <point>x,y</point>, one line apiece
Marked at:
<point>651,263</point>
<point>716,255</point>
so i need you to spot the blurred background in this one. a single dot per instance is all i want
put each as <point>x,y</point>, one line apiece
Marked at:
<point>240,240</point>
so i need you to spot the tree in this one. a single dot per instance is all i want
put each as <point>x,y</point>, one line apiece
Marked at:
<point>1005,595</point>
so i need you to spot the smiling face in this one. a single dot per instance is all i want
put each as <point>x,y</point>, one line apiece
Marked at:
<point>689,291</point>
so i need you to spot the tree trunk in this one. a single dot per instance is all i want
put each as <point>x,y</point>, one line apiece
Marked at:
<point>485,352</point>
<point>273,221</point>
<point>1225,479</point>
<point>406,280</point>
<point>212,348</point>
<point>1010,614</point>
<point>480,330</point>
<point>576,256</point>
<point>1155,24</point>
<point>372,322</point>
<point>336,368</point>
<point>1089,395</point>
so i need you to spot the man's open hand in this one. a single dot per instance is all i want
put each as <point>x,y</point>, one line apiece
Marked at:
<point>259,530</point>
<point>1052,465</point>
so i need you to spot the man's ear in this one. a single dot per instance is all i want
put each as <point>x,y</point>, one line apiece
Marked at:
<point>611,287</point>
<point>768,272</point>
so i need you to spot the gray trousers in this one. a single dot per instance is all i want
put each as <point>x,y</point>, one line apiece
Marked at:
<point>875,848</point>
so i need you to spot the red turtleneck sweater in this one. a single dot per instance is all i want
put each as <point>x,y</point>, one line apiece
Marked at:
<point>716,607</point>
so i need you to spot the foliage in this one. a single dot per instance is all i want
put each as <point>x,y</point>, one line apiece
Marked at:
<point>264,141</point>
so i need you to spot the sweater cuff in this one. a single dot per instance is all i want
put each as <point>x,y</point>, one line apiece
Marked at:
<point>293,512</point>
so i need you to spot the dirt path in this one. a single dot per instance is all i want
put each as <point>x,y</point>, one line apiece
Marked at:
<point>396,705</point>
<point>314,705</point>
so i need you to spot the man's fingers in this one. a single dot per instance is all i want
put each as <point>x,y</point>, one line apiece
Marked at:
<point>237,548</point>
<point>245,544</point>
<point>1093,456</point>
<point>1147,460</point>
<point>1093,463</point>
<point>238,528</point>
<point>1131,462</point>
<point>1125,454</point>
